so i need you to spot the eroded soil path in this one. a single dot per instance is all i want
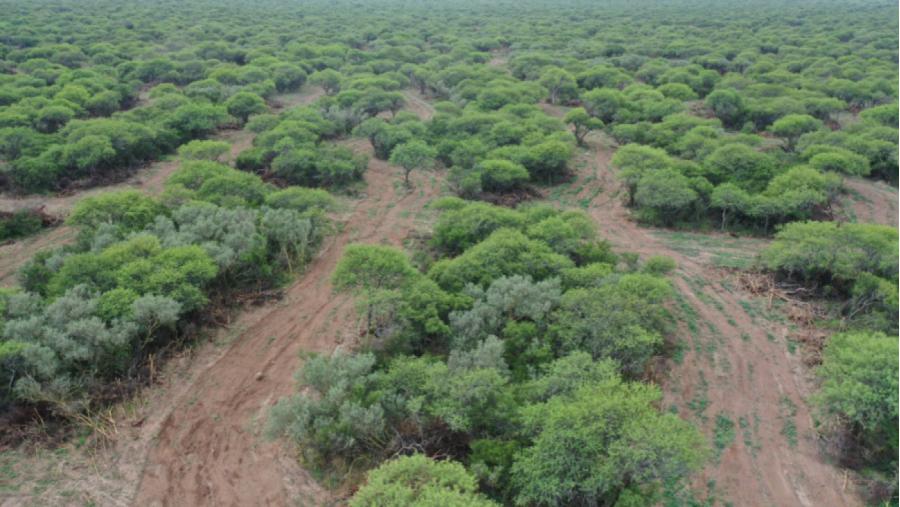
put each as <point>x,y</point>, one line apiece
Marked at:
<point>735,374</point>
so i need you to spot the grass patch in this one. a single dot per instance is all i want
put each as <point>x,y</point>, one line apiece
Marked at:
<point>791,345</point>
<point>789,425</point>
<point>724,251</point>
<point>700,401</point>
<point>724,433</point>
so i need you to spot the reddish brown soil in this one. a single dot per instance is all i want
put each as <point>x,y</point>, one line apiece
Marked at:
<point>870,201</point>
<point>736,365</point>
<point>15,254</point>
<point>209,451</point>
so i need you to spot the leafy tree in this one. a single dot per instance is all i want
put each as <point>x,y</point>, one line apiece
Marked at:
<point>827,250</point>
<point>604,103</point>
<point>582,123</point>
<point>196,120</point>
<point>728,106</point>
<point>792,126</point>
<point>129,209</point>
<point>728,197</point>
<point>243,104</point>
<point>559,84</point>
<point>859,387</point>
<point>603,443</point>
<point>840,161</point>
<point>288,77</point>
<point>501,175</point>
<point>741,165</point>
<point>422,482</point>
<point>505,252</point>
<point>329,79</point>
<point>458,229</point>
<point>678,91</point>
<point>334,422</point>
<point>619,320</point>
<point>667,193</point>
<point>413,155</point>
<point>300,199</point>
<point>372,272</point>
<point>886,115</point>
<point>634,161</point>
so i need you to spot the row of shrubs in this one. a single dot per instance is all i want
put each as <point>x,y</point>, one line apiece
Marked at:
<point>142,272</point>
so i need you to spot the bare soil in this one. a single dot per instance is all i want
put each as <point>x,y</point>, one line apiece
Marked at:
<point>418,105</point>
<point>870,201</point>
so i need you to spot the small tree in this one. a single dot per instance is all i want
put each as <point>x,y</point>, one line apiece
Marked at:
<point>792,126</point>
<point>859,387</point>
<point>636,160</point>
<point>243,104</point>
<point>603,443</point>
<point>729,198</point>
<point>371,271</point>
<point>582,123</point>
<point>728,106</point>
<point>559,84</point>
<point>328,79</point>
<point>419,480</point>
<point>413,155</point>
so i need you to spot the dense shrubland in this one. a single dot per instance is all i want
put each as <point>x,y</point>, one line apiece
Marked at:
<point>513,323</point>
<point>519,328</point>
<point>141,274</point>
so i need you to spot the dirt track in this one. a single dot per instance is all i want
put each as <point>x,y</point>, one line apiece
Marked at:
<point>208,451</point>
<point>872,201</point>
<point>736,367</point>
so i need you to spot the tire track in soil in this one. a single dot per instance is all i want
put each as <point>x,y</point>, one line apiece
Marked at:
<point>208,450</point>
<point>874,202</point>
<point>731,365</point>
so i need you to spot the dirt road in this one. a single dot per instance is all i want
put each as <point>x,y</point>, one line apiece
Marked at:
<point>736,378</point>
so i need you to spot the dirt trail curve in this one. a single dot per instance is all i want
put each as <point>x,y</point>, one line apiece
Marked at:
<point>736,369</point>
<point>209,451</point>
<point>872,201</point>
